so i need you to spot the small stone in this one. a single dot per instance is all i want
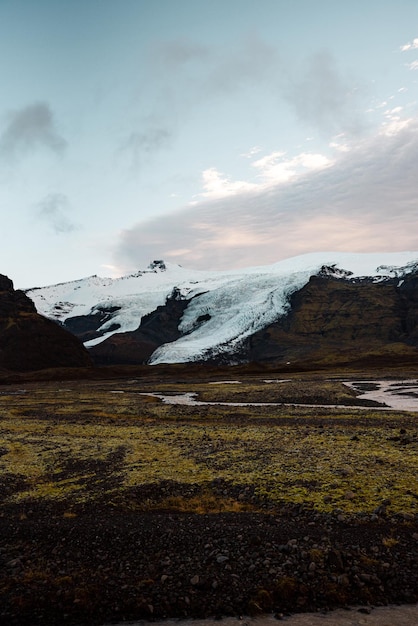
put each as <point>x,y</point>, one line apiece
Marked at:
<point>343,580</point>
<point>195,580</point>
<point>366,578</point>
<point>221,558</point>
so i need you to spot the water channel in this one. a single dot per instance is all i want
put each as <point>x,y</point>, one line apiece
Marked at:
<point>400,395</point>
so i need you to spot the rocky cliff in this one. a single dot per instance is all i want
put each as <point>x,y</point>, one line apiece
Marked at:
<point>29,341</point>
<point>334,320</point>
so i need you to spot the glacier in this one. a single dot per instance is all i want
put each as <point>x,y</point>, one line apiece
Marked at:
<point>231,304</point>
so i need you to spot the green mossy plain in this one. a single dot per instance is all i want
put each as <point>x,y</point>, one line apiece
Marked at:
<point>99,441</point>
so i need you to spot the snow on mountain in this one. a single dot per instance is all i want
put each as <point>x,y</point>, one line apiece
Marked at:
<point>231,305</point>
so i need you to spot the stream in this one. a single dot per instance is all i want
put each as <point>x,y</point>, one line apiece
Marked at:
<point>400,395</point>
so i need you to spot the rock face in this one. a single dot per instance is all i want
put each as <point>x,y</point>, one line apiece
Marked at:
<point>334,320</point>
<point>29,341</point>
<point>136,347</point>
<point>330,320</point>
<point>86,327</point>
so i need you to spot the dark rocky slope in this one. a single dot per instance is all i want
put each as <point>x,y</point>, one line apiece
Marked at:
<point>330,320</point>
<point>29,341</point>
<point>334,320</point>
<point>136,347</point>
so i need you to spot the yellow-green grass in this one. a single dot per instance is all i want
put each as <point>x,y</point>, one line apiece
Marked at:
<point>80,443</point>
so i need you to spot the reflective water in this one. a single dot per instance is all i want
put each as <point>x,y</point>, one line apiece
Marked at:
<point>397,394</point>
<point>401,395</point>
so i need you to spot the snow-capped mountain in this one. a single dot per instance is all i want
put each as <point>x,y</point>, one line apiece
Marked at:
<point>222,309</point>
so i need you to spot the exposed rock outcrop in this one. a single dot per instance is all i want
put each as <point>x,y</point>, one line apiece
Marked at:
<point>334,320</point>
<point>136,347</point>
<point>87,327</point>
<point>29,341</point>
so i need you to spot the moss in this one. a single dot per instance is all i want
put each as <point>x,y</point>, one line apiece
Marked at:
<point>85,442</point>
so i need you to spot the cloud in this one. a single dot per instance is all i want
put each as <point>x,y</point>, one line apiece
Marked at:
<point>140,145</point>
<point>173,55</point>
<point>252,61</point>
<point>322,97</point>
<point>364,201</point>
<point>186,77</point>
<point>186,80</point>
<point>29,129</point>
<point>53,209</point>
<point>213,71</point>
<point>413,45</point>
<point>216,185</point>
<point>272,169</point>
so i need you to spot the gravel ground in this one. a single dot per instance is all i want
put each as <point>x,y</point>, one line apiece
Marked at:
<point>356,616</point>
<point>105,565</point>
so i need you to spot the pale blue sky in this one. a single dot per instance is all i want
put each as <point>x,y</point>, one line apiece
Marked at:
<point>210,134</point>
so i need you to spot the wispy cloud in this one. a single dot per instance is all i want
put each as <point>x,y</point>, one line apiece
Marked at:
<point>29,129</point>
<point>323,97</point>
<point>175,54</point>
<point>272,169</point>
<point>140,145</point>
<point>186,77</point>
<point>54,209</point>
<point>365,200</point>
<point>413,45</point>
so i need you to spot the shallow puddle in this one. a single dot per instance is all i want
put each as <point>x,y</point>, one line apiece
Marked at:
<point>401,395</point>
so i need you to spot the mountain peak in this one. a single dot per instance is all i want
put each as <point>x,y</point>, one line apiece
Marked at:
<point>157,265</point>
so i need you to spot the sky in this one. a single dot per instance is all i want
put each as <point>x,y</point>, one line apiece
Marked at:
<point>214,135</point>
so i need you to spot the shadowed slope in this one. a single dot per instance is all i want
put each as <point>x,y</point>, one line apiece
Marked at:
<point>29,341</point>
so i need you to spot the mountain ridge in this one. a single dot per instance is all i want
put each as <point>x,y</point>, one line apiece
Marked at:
<point>223,313</point>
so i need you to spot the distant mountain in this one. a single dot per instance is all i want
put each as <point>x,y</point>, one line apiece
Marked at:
<point>323,308</point>
<point>29,341</point>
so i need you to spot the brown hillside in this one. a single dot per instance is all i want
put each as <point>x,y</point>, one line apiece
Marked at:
<point>29,341</point>
<point>333,320</point>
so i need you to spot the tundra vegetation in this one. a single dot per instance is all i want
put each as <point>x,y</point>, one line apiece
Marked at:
<point>112,443</point>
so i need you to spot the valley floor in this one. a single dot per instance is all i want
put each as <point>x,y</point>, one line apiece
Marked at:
<point>117,507</point>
